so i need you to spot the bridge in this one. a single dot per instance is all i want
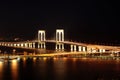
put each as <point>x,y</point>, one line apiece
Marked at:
<point>60,44</point>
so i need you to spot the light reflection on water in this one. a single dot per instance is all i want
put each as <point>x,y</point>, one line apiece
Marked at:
<point>59,68</point>
<point>44,68</point>
<point>14,69</point>
<point>1,70</point>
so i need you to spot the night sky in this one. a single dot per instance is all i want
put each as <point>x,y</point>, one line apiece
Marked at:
<point>90,21</point>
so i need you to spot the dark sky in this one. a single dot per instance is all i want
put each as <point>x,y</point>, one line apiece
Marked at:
<point>86,20</point>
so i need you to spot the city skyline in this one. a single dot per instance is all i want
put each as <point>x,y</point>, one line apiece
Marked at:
<point>89,21</point>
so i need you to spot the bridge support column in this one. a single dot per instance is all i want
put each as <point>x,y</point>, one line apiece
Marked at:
<point>62,46</point>
<point>94,50</point>
<point>101,50</point>
<point>91,50</point>
<point>26,45</point>
<point>33,45</point>
<point>59,47</point>
<point>41,45</point>
<point>18,45</point>
<point>29,45</point>
<point>11,44</point>
<point>79,48</point>
<point>14,45</point>
<point>84,49</point>
<point>71,48</point>
<point>21,45</point>
<point>38,45</point>
<point>75,48</point>
<point>118,54</point>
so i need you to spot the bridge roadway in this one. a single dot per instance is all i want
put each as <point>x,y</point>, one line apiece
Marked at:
<point>116,48</point>
<point>86,45</point>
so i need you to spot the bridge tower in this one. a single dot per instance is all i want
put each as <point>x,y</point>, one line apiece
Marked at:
<point>59,39</point>
<point>41,39</point>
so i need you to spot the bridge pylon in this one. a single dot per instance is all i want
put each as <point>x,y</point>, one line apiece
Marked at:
<point>59,40</point>
<point>41,39</point>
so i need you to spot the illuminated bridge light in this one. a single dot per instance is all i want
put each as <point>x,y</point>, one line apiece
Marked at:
<point>79,48</point>
<point>89,50</point>
<point>26,45</point>
<point>74,47</point>
<point>71,47</point>
<point>18,45</point>
<point>34,45</point>
<point>11,44</point>
<point>84,49</point>
<point>21,45</point>
<point>103,50</point>
<point>94,51</point>
<point>14,44</point>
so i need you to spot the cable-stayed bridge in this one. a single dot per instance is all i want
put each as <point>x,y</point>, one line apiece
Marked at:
<point>60,44</point>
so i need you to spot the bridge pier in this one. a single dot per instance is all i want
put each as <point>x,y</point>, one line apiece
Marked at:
<point>59,47</point>
<point>91,50</point>
<point>26,45</point>
<point>17,44</point>
<point>21,45</point>
<point>30,45</point>
<point>11,44</point>
<point>84,49</point>
<point>73,48</point>
<point>101,50</point>
<point>79,48</point>
<point>33,45</point>
<point>41,45</point>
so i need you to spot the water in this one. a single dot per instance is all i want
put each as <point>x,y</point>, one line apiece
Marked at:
<point>43,68</point>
